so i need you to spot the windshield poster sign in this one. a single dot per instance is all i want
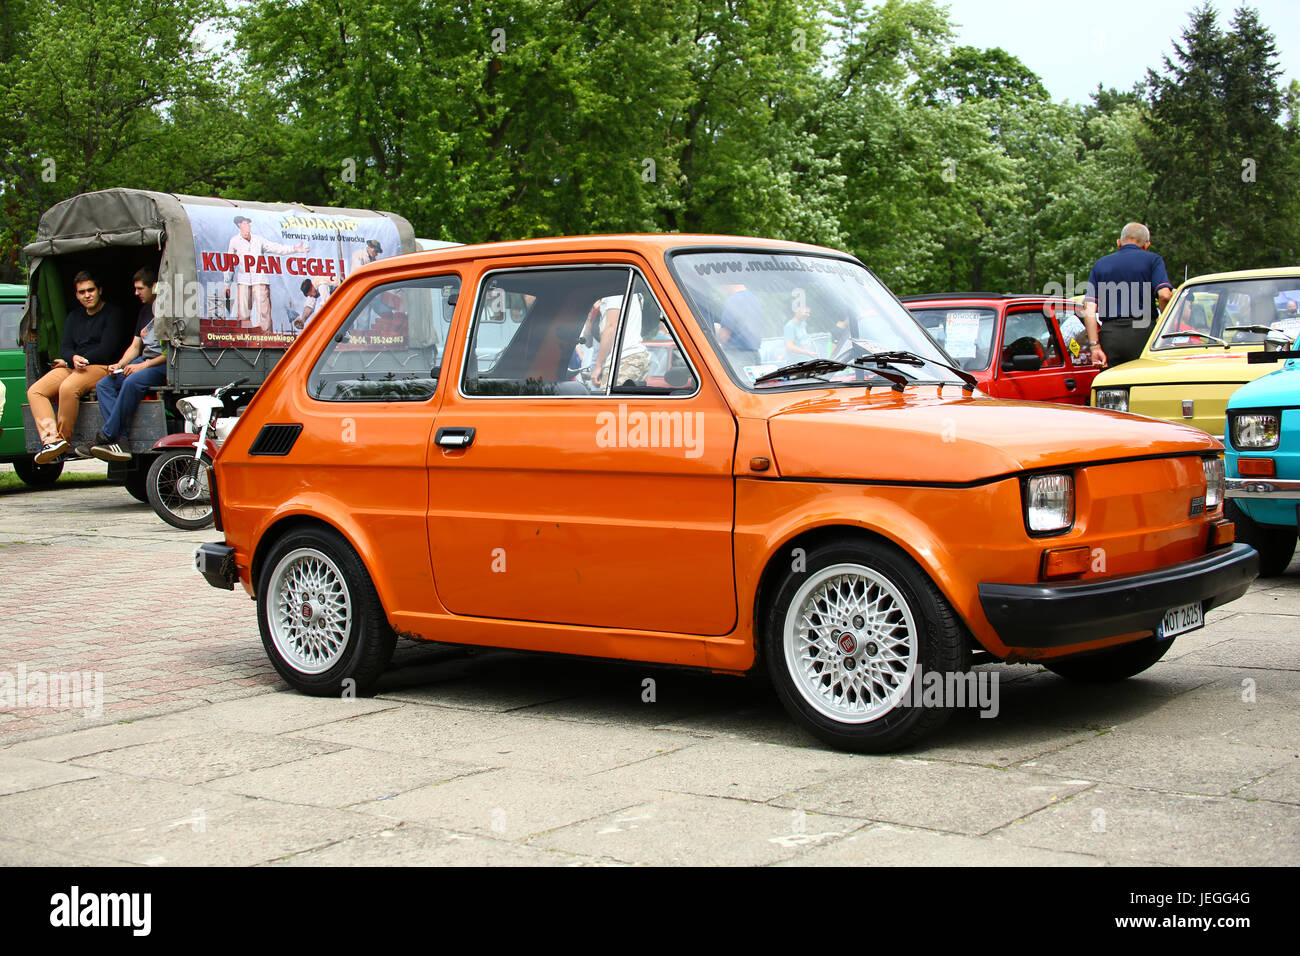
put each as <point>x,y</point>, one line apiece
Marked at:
<point>264,275</point>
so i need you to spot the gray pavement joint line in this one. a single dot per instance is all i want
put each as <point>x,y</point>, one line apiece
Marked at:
<point>347,806</point>
<point>1092,785</point>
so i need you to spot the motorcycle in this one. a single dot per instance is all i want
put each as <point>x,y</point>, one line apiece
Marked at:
<point>177,485</point>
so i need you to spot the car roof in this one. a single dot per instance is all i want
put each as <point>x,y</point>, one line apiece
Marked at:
<point>1281,272</point>
<point>639,242</point>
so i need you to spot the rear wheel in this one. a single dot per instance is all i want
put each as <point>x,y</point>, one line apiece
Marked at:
<point>1275,544</point>
<point>322,624</point>
<point>1116,663</point>
<point>847,638</point>
<point>177,487</point>
<point>38,476</point>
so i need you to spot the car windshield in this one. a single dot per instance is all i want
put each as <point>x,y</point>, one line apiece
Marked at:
<point>764,311</point>
<point>1236,312</point>
<point>965,334</point>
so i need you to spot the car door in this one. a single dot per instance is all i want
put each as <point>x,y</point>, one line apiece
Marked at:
<point>555,500</point>
<point>1027,331</point>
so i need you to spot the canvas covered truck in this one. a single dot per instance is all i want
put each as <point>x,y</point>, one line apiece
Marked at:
<point>236,282</point>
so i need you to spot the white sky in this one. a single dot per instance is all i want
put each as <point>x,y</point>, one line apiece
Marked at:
<point>1076,44</point>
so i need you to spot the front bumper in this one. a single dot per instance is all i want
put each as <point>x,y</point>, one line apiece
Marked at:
<point>1263,488</point>
<point>1059,615</point>
<point>216,562</point>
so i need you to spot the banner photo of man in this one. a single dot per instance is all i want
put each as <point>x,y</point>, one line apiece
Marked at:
<point>265,274</point>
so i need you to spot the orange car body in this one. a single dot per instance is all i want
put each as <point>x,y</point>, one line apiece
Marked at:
<point>662,541</point>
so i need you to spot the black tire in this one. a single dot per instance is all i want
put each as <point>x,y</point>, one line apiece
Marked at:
<point>822,691</point>
<point>38,476</point>
<point>362,639</point>
<point>177,488</point>
<point>1275,544</point>
<point>136,483</point>
<point>1113,664</point>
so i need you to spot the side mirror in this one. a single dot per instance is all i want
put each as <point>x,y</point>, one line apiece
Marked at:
<point>1276,340</point>
<point>1022,363</point>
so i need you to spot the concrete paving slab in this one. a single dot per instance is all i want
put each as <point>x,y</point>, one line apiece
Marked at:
<point>1132,826</point>
<point>411,845</point>
<point>1281,785</point>
<point>699,831</point>
<point>418,730</point>
<point>507,804</point>
<point>284,711</point>
<point>206,756</point>
<point>591,747</point>
<point>883,844</point>
<point>23,773</point>
<point>343,778</point>
<point>932,794</point>
<point>724,768</point>
<point>1261,708</point>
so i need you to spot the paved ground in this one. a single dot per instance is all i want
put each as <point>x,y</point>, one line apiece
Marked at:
<point>198,754</point>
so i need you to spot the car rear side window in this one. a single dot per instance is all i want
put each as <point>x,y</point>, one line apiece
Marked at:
<point>391,347</point>
<point>10,316</point>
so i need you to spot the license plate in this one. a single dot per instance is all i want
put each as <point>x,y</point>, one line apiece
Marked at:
<point>1180,620</point>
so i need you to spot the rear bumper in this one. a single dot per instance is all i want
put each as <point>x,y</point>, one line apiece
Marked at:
<point>216,562</point>
<point>1054,616</point>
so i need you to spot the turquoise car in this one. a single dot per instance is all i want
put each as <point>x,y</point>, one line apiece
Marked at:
<point>1263,462</point>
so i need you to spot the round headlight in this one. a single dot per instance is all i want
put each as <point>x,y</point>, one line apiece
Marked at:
<point>188,411</point>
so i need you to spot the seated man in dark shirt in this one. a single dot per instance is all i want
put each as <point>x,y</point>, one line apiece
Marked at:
<point>143,366</point>
<point>92,338</point>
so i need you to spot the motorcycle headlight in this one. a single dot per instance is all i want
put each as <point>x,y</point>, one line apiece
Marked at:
<point>188,411</point>
<point>1255,431</point>
<point>1049,503</point>
<point>1215,486</point>
<point>1116,399</point>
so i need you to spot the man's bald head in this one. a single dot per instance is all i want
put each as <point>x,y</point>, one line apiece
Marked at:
<point>1135,232</point>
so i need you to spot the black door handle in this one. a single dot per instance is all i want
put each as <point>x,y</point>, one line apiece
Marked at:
<point>454,437</point>
<point>1070,383</point>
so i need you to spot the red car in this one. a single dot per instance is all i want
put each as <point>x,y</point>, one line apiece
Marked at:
<point>1040,342</point>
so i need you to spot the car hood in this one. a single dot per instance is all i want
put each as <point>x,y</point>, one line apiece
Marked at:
<point>948,441</point>
<point>1281,387</point>
<point>1207,366</point>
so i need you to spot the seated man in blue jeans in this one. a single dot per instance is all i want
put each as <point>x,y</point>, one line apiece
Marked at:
<point>143,366</point>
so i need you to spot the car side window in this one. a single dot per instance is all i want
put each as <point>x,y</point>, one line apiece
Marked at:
<point>390,348</point>
<point>650,360</point>
<point>540,331</point>
<point>10,318</point>
<point>1027,333</point>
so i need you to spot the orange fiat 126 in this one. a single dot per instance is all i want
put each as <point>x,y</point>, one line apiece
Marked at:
<point>730,454</point>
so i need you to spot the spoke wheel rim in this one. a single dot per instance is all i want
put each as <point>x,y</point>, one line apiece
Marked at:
<point>850,643</point>
<point>310,611</point>
<point>183,487</point>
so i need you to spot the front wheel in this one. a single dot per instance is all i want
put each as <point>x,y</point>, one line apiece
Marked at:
<point>177,487</point>
<point>322,624</point>
<point>851,634</point>
<point>1275,544</point>
<point>38,476</point>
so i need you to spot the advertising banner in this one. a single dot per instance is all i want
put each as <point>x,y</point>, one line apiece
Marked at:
<point>265,275</point>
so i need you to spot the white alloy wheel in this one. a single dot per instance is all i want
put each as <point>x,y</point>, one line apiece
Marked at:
<point>850,643</point>
<point>310,612</point>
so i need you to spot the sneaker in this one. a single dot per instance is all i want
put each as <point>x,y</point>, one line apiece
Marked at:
<point>110,451</point>
<point>81,450</point>
<point>51,451</point>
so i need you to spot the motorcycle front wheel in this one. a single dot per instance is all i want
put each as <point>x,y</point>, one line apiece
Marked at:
<point>178,489</point>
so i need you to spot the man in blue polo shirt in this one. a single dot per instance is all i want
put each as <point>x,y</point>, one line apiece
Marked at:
<point>1122,290</point>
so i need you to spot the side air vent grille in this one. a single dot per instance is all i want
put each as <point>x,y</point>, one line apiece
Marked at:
<point>275,440</point>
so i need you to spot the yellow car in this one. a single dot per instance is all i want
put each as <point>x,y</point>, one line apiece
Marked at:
<point>1196,356</point>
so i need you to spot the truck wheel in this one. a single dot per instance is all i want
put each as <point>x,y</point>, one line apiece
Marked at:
<point>847,638</point>
<point>38,476</point>
<point>1275,544</point>
<point>136,482</point>
<point>322,625</point>
<point>177,487</point>
<point>1117,663</point>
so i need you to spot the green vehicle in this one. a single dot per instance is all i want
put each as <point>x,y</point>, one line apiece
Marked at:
<point>13,375</point>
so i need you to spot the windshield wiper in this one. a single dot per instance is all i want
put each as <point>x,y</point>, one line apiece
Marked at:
<point>911,358</point>
<point>809,368</point>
